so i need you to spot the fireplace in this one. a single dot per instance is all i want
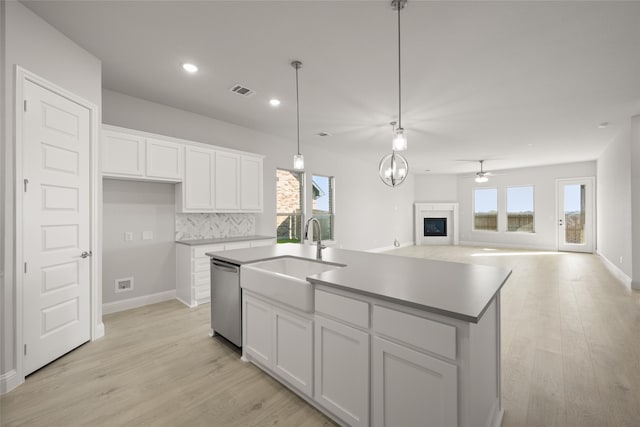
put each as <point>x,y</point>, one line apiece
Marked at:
<point>436,223</point>
<point>435,226</point>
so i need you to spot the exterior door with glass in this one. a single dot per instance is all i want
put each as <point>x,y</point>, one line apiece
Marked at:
<point>576,214</point>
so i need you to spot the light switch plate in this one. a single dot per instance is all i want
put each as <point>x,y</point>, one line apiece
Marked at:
<point>128,236</point>
<point>147,235</point>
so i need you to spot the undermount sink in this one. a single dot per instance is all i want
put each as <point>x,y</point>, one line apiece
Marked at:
<point>284,279</point>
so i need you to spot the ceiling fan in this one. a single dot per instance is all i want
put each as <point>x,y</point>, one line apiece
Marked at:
<point>482,176</point>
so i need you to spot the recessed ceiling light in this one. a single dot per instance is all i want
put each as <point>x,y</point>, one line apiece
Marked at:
<point>189,68</point>
<point>603,125</point>
<point>274,102</point>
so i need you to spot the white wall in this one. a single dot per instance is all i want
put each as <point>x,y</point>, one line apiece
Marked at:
<point>614,202</point>
<point>36,46</point>
<point>436,188</point>
<point>544,180</point>
<point>132,206</point>
<point>368,214</point>
<point>635,200</point>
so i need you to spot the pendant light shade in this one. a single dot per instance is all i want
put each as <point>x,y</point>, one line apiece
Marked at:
<point>393,169</point>
<point>298,159</point>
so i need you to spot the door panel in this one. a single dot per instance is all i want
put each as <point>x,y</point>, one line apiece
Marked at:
<point>575,208</point>
<point>56,220</point>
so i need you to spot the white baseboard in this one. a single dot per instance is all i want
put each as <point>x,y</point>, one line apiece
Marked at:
<point>127,304</point>
<point>615,270</point>
<point>507,245</point>
<point>99,331</point>
<point>390,248</point>
<point>9,381</point>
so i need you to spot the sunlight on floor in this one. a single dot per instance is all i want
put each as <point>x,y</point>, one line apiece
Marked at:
<point>491,253</point>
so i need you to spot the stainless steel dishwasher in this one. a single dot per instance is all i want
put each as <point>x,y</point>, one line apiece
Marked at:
<point>226,304</point>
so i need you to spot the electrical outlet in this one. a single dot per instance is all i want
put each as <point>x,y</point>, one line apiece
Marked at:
<point>125,284</point>
<point>128,236</point>
<point>620,259</point>
<point>147,235</point>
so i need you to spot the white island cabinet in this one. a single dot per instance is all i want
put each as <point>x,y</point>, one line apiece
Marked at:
<point>423,350</point>
<point>280,340</point>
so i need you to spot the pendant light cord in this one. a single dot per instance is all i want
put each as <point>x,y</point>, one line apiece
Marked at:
<point>297,109</point>
<point>399,72</point>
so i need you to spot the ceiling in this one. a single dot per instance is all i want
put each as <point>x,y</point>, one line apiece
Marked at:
<point>517,83</point>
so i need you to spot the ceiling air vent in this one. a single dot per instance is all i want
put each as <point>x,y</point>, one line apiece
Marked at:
<point>241,90</point>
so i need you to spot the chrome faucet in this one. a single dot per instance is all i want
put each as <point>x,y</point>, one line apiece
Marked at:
<point>319,246</point>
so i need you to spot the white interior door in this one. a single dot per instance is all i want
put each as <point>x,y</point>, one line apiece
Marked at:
<point>56,221</point>
<point>576,215</point>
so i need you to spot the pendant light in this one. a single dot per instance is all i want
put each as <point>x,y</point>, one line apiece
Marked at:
<point>298,159</point>
<point>393,168</point>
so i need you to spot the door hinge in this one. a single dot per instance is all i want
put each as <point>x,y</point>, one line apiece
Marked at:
<point>26,182</point>
<point>25,105</point>
<point>25,268</point>
<point>25,349</point>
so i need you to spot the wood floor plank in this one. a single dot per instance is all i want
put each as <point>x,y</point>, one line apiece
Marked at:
<point>570,356</point>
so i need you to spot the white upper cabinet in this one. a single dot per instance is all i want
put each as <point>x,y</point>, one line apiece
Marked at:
<point>122,154</point>
<point>227,181</point>
<point>197,189</point>
<point>212,179</point>
<point>251,184</point>
<point>164,159</point>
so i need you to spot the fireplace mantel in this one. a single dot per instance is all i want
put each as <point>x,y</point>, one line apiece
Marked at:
<point>430,210</point>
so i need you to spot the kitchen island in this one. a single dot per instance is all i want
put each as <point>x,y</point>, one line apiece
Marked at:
<point>386,340</point>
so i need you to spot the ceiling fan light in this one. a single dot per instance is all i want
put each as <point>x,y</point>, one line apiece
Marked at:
<point>399,141</point>
<point>481,179</point>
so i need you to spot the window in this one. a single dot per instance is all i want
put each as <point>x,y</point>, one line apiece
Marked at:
<point>520,212</point>
<point>289,206</point>
<point>323,204</point>
<point>485,209</point>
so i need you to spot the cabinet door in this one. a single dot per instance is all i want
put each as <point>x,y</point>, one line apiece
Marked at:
<point>251,184</point>
<point>342,371</point>
<point>292,350</point>
<point>122,154</point>
<point>198,180</point>
<point>257,333</point>
<point>164,160</point>
<point>411,388</point>
<point>227,181</point>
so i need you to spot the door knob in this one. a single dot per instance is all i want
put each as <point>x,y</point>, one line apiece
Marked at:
<point>85,254</point>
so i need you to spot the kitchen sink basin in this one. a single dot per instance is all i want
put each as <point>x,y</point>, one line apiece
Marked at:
<point>284,279</point>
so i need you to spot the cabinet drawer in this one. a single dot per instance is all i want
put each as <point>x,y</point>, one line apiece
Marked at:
<point>200,264</point>
<point>265,242</point>
<point>417,331</point>
<point>237,245</point>
<point>200,251</point>
<point>347,309</point>
<point>202,278</point>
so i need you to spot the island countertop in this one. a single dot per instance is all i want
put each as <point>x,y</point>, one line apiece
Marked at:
<point>460,291</point>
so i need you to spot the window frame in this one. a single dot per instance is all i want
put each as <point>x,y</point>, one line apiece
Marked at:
<point>473,210</point>
<point>332,206</point>
<point>506,208</point>
<point>303,198</point>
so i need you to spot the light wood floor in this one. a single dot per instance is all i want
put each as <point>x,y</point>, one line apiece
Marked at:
<point>570,357</point>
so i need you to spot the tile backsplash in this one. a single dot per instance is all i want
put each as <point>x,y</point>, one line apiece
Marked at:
<point>214,225</point>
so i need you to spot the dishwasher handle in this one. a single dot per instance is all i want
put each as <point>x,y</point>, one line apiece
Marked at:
<point>224,266</point>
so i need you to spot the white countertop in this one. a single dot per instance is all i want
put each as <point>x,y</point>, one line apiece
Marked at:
<point>197,242</point>
<point>461,291</point>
